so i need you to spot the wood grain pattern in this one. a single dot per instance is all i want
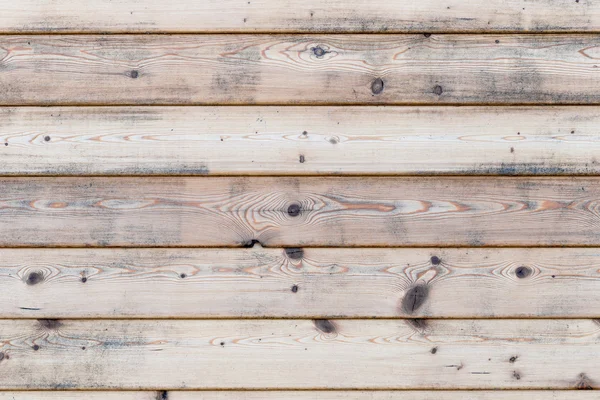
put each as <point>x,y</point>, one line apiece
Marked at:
<point>320,354</point>
<point>305,283</point>
<point>296,212</point>
<point>302,395</point>
<point>274,140</point>
<point>297,16</point>
<point>299,69</point>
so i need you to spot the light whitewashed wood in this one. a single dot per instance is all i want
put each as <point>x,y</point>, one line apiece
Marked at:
<point>95,395</point>
<point>323,354</point>
<point>296,212</point>
<point>303,395</point>
<point>299,140</point>
<point>311,283</point>
<point>295,15</point>
<point>299,69</point>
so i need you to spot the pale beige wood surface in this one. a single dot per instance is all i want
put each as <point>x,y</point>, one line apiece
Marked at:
<point>62,16</point>
<point>302,395</point>
<point>324,354</point>
<point>299,69</point>
<point>299,140</point>
<point>295,212</point>
<point>311,282</point>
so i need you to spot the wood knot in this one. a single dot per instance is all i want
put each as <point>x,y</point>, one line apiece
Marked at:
<point>295,289</point>
<point>377,86</point>
<point>302,159</point>
<point>434,350</point>
<point>318,51</point>
<point>427,34</point>
<point>47,138</point>
<point>35,347</point>
<point>516,375</point>
<point>134,74</point>
<point>513,359</point>
<point>294,210</point>
<point>295,253</point>
<point>34,278</point>
<point>523,272</point>
<point>325,325</point>
<point>1,356</point>
<point>414,298</point>
<point>438,90</point>
<point>435,260</point>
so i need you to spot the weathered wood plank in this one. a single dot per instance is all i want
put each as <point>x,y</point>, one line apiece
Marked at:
<point>303,395</point>
<point>288,69</point>
<point>297,16</point>
<point>296,212</point>
<point>305,283</point>
<point>299,140</point>
<point>321,354</point>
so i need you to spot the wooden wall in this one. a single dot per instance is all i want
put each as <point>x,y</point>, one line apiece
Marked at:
<point>285,199</point>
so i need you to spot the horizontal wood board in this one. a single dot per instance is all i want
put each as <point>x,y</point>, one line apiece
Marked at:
<point>319,354</point>
<point>299,69</point>
<point>295,282</point>
<point>60,16</point>
<point>254,140</point>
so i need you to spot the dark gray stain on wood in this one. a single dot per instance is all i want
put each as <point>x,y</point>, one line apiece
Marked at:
<point>1,356</point>
<point>523,272</point>
<point>438,90</point>
<point>583,383</point>
<point>294,210</point>
<point>51,324</point>
<point>250,243</point>
<point>325,325</point>
<point>34,278</point>
<point>513,359</point>
<point>419,324</point>
<point>162,395</point>
<point>295,253</point>
<point>377,86</point>
<point>414,298</point>
<point>516,375</point>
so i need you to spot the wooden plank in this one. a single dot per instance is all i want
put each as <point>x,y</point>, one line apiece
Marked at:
<point>302,395</point>
<point>321,354</point>
<point>305,283</point>
<point>299,69</point>
<point>296,212</point>
<point>297,16</point>
<point>299,140</point>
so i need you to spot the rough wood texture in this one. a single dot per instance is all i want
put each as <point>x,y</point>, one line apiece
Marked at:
<point>297,16</point>
<point>323,354</point>
<point>319,69</point>
<point>299,140</point>
<point>296,212</point>
<point>310,283</point>
<point>303,395</point>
